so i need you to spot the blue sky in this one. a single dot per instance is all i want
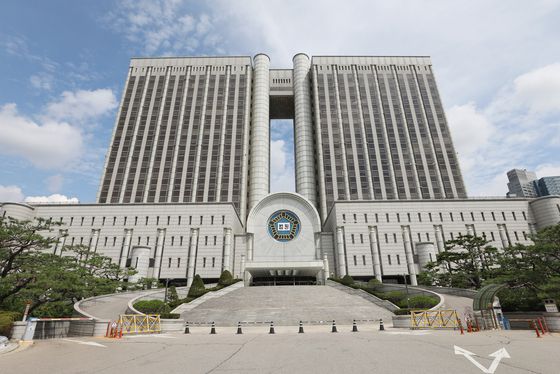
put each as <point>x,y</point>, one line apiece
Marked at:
<point>63,64</point>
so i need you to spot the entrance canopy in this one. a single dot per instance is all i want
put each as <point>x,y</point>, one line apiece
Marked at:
<point>484,298</point>
<point>289,268</point>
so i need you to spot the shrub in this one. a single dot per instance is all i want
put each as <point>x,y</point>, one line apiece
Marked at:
<point>422,302</point>
<point>172,295</point>
<point>225,278</point>
<point>197,288</point>
<point>402,311</point>
<point>347,280</point>
<point>152,307</point>
<point>373,283</point>
<point>6,319</point>
<point>170,316</point>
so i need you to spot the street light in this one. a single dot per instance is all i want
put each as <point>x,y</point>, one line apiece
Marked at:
<point>406,287</point>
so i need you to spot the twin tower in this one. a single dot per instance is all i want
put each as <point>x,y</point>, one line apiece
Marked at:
<point>197,130</point>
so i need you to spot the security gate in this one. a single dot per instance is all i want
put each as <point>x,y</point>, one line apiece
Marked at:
<point>139,323</point>
<point>434,319</point>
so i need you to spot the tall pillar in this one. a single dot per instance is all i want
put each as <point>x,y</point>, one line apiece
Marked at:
<point>375,253</point>
<point>409,257</point>
<point>503,235</point>
<point>303,130</point>
<point>318,246</point>
<point>192,256</point>
<point>249,247</point>
<point>242,271</point>
<point>326,270</point>
<point>259,172</point>
<point>159,252</point>
<point>61,241</point>
<point>340,252</point>
<point>439,239</point>
<point>94,240</point>
<point>227,249</point>
<point>126,247</point>
<point>470,230</point>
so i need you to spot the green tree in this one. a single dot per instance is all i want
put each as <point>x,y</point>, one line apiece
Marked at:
<point>197,287</point>
<point>30,272</point>
<point>466,262</point>
<point>225,278</point>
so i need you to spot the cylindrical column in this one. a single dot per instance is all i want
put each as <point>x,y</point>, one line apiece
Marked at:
<point>242,271</point>
<point>375,253</point>
<point>249,247</point>
<point>140,262</point>
<point>439,239</point>
<point>126,247</point>
<point>318,246</point>
<point>259,172</point>
<point>409,257</point>
<point>326,269</point>
<point>159,252</point>
<point>303,130</point>
<point>227,249</point>
<point>192,256</point>
<point>94,240</point>
<point>503,236</point>
<point>470,230</point>
<point>426,253</point>
<point>340,252</point>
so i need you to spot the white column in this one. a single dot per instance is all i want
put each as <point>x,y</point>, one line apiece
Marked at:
<point>242,271</point>
<point>192,256</point>
<point>126,247</point>
<point>340,252</point>
<point>140,261</point>
<point>439,239</point>
<point>375,253</point>
<point>249,247</point>
<point>61,241</point>
<point>227,249</point>
<point>94,240</point>
<point>159,251</point>
<point>326,269</point>
<point>409,257</point>
<point>259,173</point>
<point>470,230</point>
<point>303,130</point>
<point>318,250</point>
<point>503,236</point>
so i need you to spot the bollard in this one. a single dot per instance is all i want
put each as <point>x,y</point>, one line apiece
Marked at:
<point>354,326</point>
<point>213,329</point>
<point>300,327</point>
<point>381,327</point>
<point>536,329</point>
<point>545,325</point>
<point>239,332</point>
<point>334,326</point>
<point>187,331</point>
<point>461,327</point>
<point>271,331</point>
<point>108,329</point>
<point>541,325</point>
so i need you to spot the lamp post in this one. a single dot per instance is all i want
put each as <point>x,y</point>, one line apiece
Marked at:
<point>406,287</point>
<point>166,285</point>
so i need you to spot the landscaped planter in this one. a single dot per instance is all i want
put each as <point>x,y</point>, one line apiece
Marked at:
<point>402,322</point>
<point>552,321</point>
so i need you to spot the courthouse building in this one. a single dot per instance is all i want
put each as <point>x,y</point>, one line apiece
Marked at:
<point>186,184</point>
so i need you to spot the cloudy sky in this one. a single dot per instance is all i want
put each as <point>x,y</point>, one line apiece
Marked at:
<point>63,65</point>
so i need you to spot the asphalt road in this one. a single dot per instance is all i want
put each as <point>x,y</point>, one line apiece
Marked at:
<point>315,351</point>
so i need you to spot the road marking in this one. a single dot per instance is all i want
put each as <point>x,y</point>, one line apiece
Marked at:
<point>164,336</point>
<point>498,356</point>
<point>407,332</point>
<point>94,344</point>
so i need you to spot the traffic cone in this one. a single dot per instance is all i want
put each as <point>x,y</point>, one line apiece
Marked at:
<point>354,326</point>
<point>213,329</point>
<point>334,327</point>
<point>271,331</point>
<point>239,332</point>
<point>187,331</point>
<point>381,327</point>
<point>300,327</point>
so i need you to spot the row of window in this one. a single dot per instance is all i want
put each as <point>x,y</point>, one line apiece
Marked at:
<point>139,220</point>
<point>178,262</point>
<point>440,215</point>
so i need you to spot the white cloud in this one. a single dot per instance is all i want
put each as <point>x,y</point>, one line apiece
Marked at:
<point>52,199</point>
<point>10,193</point>
<point>471,129</point>
<point>82,105</point>
<point>42,81</point>
<point>54,183</point>
<point>47,145</point>
<point>539,90</point>
<point>281,171</point>
<point>547,170</point>
<point>163,26</point>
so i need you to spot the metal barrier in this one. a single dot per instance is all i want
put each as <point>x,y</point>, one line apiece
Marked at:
<point>139,323</point>
<point>434,319</point>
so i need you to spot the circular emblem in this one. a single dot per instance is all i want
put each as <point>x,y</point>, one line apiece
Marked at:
<point>283,225</point>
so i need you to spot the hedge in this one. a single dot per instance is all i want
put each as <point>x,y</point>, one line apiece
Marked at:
<point>6,319</point>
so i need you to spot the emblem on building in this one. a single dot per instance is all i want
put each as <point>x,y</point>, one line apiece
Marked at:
<point>283,225</point>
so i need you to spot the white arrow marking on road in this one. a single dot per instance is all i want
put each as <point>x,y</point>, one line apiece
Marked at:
<point>85,343</point>
<point>498,355</point>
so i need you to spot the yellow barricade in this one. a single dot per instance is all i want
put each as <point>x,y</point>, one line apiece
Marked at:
<point>434,319</point>
<point>139,323</point>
